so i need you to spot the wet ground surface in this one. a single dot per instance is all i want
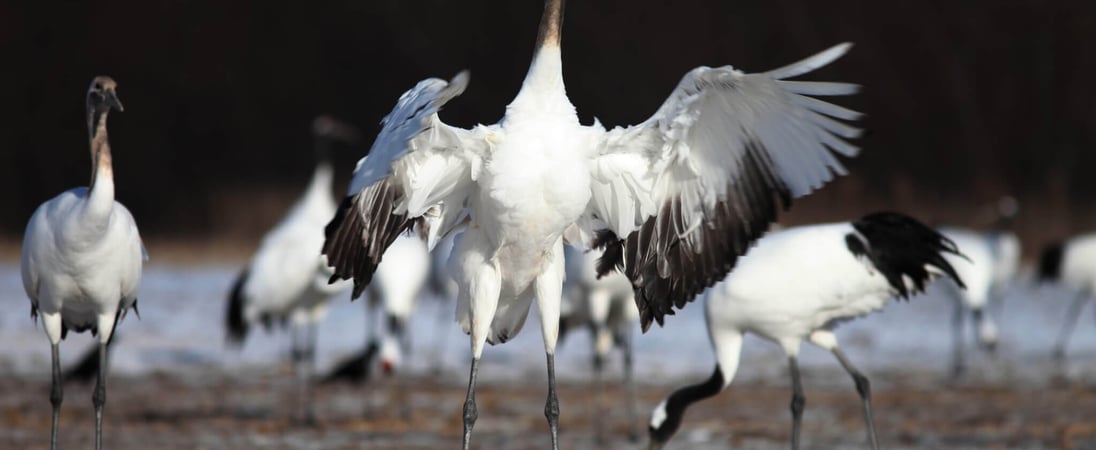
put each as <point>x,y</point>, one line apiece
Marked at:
<point>221,411</point>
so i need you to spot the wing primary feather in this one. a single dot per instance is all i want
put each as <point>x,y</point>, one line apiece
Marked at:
<point>727,152</point>
<point>835,127</point>
<point>826,108</point>
<point>837,144</point>
<point>820,88</point>
<point>811,63</point>
<point>669,269</point>
<point>356,240</point>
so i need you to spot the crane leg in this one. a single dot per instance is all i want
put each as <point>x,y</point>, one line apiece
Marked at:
<point>549,294</point>
<point>470,411</point>
<point>863,387</point>
<point>304,362</point>
<point>957,318</point>
<point>56,394</point>
<point>599,394</point>
<point>1067,327</point>
<point>481,291</point>
<point>551,404</point>
<point>630,384</point>
<point>99,396</point>
<point>798,401</point>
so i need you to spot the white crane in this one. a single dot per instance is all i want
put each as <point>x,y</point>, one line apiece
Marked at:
<point>395,290</point>
<point>606,306</point>
<point>1072,263</point>
<point>82,257</point>
<point>991,261</point>
<point>688,189</point>
<point>398,283</point>
<point>800,283</point>
<point>287,278</point>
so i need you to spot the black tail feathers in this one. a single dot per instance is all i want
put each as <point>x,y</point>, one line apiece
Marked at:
<point>236,325</point>
<point>87,369</point>
<point>355,369</point>
<point>1050,262</point>
<point>900,247</point>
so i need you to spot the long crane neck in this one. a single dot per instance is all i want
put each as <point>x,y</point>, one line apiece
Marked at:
<point>322,178</point>
<point>319,187</point>
<point>675,405</point>
<point>551,22</point>
<point>102,171</point>
<point>543,90</point>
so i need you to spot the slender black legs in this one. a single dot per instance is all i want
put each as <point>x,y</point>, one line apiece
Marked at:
<point>1067,328</point>
<point>551,405</point>
<point>56,393</point>
<point>599,397</point>
<point>622,339</point>
<point>630,385</point>
<point>99,397</point>
<point>470,412</point>
<point>957,363</point>
<point>863,387</point>
<point>988,342</point>
<point>304,357</point>
<point>798,401</point>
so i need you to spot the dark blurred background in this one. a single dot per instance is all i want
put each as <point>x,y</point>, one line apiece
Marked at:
<point>967,100</point>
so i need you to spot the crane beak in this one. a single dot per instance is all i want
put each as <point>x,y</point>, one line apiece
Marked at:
<point>111,100</point>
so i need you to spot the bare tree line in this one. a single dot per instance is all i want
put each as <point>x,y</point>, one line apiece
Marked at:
<point>966,100</point>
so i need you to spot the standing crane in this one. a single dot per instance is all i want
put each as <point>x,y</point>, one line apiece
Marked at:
<point>82,257</point>
<point>286,280</point>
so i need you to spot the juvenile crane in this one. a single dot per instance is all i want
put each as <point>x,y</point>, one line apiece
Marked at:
<point>841,271</point>
<point>688,189</point>
<point>82,257</point>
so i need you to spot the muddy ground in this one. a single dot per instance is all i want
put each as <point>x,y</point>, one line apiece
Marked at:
<point>205,410</point>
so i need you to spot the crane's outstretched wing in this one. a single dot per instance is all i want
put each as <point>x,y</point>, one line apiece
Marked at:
<point>417,162</point>
<point>693,186</point>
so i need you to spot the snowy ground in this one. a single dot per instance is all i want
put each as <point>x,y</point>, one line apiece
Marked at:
<point>182,315</point>
<point>1018,399</point>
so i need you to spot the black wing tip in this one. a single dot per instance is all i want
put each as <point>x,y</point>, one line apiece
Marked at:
<point>900,246</point>
<point>363,227</point>
<point>236,325</point>
<point>1050,261</point>
<point>669,270</point>
<point>343,240</point>
<point>332,228</point>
